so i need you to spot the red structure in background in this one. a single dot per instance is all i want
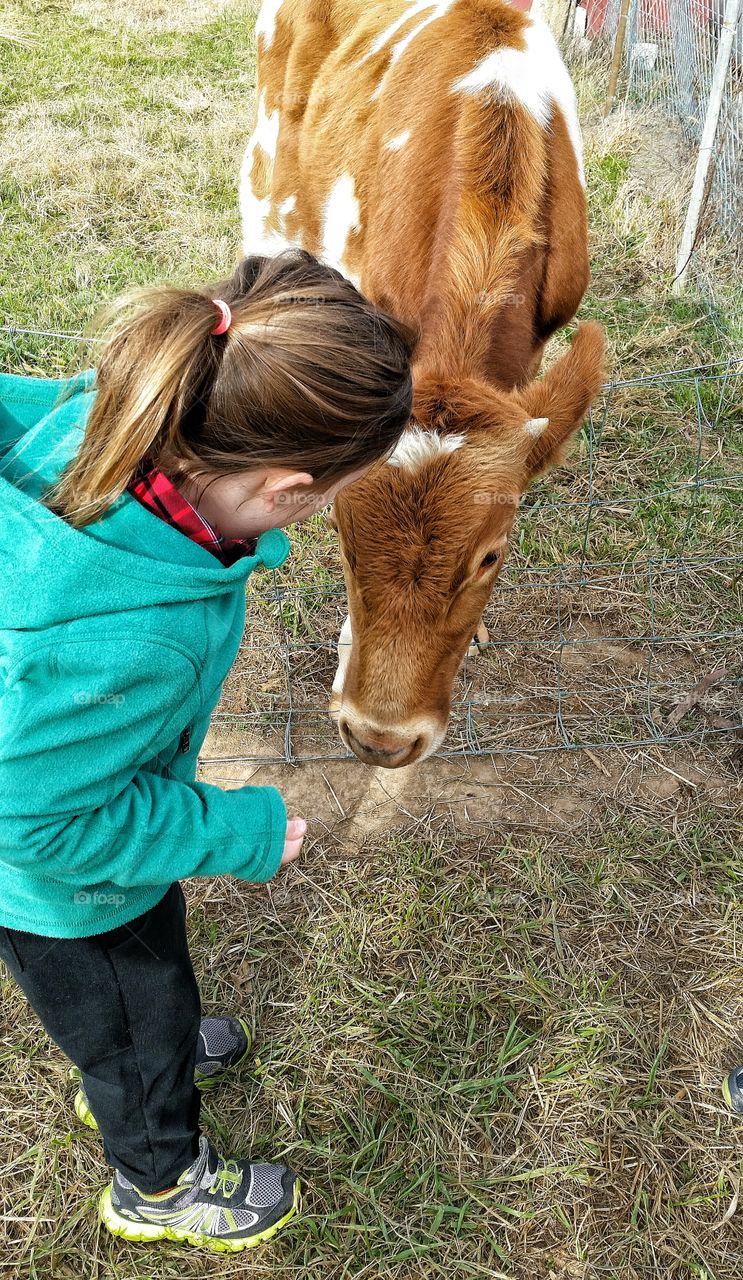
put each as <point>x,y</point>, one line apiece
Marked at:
<point>595,12</point>
<point>652,15</point>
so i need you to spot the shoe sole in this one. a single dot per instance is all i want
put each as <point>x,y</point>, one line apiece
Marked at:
<point>204,1084</point>
<point>145,1232</point>
<point>83,1112</point>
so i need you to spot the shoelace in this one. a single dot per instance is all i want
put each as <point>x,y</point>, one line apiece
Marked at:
<point>227,1172</point>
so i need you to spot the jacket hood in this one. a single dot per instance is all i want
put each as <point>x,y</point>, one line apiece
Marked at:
<point>52,573</point>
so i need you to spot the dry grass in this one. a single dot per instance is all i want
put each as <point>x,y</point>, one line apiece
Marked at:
<point>121,148</point>
<point>159,16</point>
<point>488,1056</point>
<point>496,999</point>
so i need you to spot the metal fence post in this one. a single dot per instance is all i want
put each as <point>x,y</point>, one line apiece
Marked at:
<point>706,145</point>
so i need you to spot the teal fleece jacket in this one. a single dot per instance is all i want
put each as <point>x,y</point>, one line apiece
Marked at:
<point>115,641</point>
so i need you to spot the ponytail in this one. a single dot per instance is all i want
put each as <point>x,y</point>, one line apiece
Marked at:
<point>309,374</point>
<point>158,354</point>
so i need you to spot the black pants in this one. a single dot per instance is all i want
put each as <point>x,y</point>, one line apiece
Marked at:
<point>124,1006</point>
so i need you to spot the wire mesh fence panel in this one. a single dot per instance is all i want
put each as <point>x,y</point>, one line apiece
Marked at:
<point>617,620</point>
<point>670,52</point>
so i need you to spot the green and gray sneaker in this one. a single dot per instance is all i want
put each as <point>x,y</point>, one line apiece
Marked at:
<point>732,1090</point>
<point>223,1044</point>
<point>223,1205</point>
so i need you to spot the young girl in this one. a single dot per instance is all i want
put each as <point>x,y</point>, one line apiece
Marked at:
<point>133,507</point>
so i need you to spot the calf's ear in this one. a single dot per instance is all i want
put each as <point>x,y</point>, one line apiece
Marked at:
<point>556,404</point>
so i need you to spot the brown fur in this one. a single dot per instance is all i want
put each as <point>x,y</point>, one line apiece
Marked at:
<point>474,231</point>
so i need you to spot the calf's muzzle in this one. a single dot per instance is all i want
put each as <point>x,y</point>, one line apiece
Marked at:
<point>388,748</point>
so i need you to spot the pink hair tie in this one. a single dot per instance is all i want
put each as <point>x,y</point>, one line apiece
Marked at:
<point>225,316</point>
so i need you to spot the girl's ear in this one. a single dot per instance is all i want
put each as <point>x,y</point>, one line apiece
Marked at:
<point>556,404</point>
<point>280,481</point>
<point>279,485</point>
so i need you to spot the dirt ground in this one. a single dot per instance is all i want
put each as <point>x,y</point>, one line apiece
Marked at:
<point>553,793</point>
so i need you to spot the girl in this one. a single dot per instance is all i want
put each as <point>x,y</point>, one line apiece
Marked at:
<point>133,509</point>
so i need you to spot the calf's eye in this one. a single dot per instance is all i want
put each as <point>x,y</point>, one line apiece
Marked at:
<point>490,559</point>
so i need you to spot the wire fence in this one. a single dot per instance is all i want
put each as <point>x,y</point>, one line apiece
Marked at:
<point>670,57</point>
<point>617,622</point>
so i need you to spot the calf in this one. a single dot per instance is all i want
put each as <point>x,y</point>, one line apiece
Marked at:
<point>431,151</point>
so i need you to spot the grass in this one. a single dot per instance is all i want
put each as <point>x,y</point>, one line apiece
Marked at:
<point>461,1050</point>
<point>496,998</point>
<point>108,130</point>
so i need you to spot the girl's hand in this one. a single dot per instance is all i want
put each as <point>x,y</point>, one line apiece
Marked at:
<point>296,830</point>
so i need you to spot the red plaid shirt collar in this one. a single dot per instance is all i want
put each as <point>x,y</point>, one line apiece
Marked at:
<point>159,495</point>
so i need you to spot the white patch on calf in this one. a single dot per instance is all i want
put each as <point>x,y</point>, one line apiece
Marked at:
<point>399,141</point>
<point>265,23</point>
<point>433,9</point>
<point>341,216</point>
<point>344,656</point>
<point>255,210</point>
<point>266,132</point>
<point>535,426</point>
<point>287,206</point>
<point>413,9</point>
<point>535,76</point>
<point>415,448</point>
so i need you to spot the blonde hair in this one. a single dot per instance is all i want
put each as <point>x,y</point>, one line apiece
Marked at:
<point>309,375</point>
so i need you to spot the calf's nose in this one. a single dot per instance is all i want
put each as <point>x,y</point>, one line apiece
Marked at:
<point>381,747</point>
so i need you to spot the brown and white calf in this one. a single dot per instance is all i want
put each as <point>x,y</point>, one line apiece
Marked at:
<point>431,150</point>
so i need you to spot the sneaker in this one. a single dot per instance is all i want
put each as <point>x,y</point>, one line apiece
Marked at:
<point>223,1205</point>
<point>223,1044</point>
<point>732,1090</point>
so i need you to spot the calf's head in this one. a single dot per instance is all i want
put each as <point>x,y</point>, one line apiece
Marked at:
<point>423,538</point>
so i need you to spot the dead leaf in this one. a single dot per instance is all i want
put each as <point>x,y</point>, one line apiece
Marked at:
<point>735,1180</point>
<point>695,695</point>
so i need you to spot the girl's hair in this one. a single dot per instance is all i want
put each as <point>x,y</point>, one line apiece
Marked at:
<point>309,375</point>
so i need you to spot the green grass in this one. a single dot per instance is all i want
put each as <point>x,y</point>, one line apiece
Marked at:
<point>462,1058</point>
<point>121,155</point>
